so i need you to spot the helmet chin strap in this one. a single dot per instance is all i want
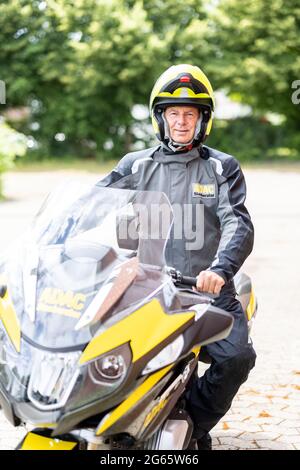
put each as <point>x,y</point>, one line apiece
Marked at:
<point>178,146</point>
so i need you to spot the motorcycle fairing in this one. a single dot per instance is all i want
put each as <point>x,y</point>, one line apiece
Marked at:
<point>146,338</point>
<point>207,324</point>
<point>40,439</point>
<point>246,295</point>
<point>132,400</point>
<point>10,320</point>
<point>141,416</point>
<point>252,306</point>
<point>74,243</point>
<point>140,329</point>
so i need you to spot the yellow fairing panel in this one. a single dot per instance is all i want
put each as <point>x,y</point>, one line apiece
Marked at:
<point>10,321</point>
<point>196,350</point>
<point>144,329</point>
<point>252,306</point>
<point>133,398</point>
<point>35,442</point>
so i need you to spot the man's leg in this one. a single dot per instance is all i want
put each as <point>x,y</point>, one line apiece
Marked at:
<point>210,397</point>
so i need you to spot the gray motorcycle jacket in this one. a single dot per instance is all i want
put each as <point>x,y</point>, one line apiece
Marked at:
<point>217,233</point>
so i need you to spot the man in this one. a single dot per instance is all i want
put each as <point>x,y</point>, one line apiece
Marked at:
<point>191,173</point>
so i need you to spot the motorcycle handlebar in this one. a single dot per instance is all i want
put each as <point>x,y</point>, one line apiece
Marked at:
<point>179,278</point>
<point>189,281</point>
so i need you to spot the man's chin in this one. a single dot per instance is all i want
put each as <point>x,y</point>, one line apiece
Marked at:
<point>181,140</point>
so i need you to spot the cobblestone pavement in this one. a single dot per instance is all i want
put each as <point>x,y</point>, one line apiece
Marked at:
<point>266,412</point>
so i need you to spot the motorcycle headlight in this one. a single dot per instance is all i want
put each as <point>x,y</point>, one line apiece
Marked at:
<point>52,378</point>
<point>166,356</point>
<point>14,367</point>
<point>111,367</point>
<point>57,379</point>
<point>101,377</point>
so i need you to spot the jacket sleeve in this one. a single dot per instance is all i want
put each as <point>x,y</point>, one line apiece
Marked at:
<point>122,170</point>
<point>237,231</point>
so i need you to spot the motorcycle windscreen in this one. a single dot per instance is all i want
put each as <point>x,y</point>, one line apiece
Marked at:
<point>79,241</point>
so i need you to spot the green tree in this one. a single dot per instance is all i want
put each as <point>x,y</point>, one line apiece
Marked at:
<point>256,47</point>
<point>116,60</point>
<point>79,65</point>
<point>12,144</point>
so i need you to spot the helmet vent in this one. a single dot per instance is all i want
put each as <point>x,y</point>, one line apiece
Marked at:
<point>185,79</point>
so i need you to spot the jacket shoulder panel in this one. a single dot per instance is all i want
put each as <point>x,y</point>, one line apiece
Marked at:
<point>223,163</point>
<point>131,161</point>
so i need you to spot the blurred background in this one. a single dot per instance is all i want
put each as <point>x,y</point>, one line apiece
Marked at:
<point>78,75</point>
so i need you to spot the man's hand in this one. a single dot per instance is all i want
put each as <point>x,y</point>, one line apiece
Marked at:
<point>208,281</point>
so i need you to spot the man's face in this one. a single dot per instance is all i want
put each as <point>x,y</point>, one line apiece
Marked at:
<point>182,122</point>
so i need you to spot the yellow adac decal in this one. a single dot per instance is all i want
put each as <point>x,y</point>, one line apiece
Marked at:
<point>61,302</point>
<point>144,329</point>
<point>62,298</point>
<point>251,306</point>
<point>164,399</point>
<point>155,410</point>
<point>10,320</point>
<point>204,190</point>
<point>135,396</point>
<point>35,442</point>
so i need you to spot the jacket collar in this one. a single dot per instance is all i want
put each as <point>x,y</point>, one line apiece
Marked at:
<point>174,157</point>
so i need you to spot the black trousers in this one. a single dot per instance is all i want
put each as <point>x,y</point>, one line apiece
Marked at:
<point>210,396</point>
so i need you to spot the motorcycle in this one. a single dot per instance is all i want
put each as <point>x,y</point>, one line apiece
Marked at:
<point>98,337</point>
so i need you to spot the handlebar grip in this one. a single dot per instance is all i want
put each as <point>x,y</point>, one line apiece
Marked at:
<point>192,281</point>
<point>189,281</point>
<point>178,278</point>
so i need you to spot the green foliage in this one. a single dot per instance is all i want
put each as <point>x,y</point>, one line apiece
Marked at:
<point>253,139</point>
<point>256,48</point>
<point>12,145</point>
<point>80,66</point>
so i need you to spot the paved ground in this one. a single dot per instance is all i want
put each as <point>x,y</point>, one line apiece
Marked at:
<point>266,412</point>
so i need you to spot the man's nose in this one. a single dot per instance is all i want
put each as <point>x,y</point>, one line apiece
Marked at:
<point>181,119</point>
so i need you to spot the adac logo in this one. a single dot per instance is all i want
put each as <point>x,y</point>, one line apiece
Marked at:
<point>204,190</point>
<point>61,302</point>
<point>168,393</point>
<point>155,410</point>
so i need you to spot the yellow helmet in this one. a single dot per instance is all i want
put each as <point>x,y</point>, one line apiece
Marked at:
<point>182,84</point>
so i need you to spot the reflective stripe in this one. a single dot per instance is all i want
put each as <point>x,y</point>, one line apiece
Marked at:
<point>136,164</point>
<point>219,166</point>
